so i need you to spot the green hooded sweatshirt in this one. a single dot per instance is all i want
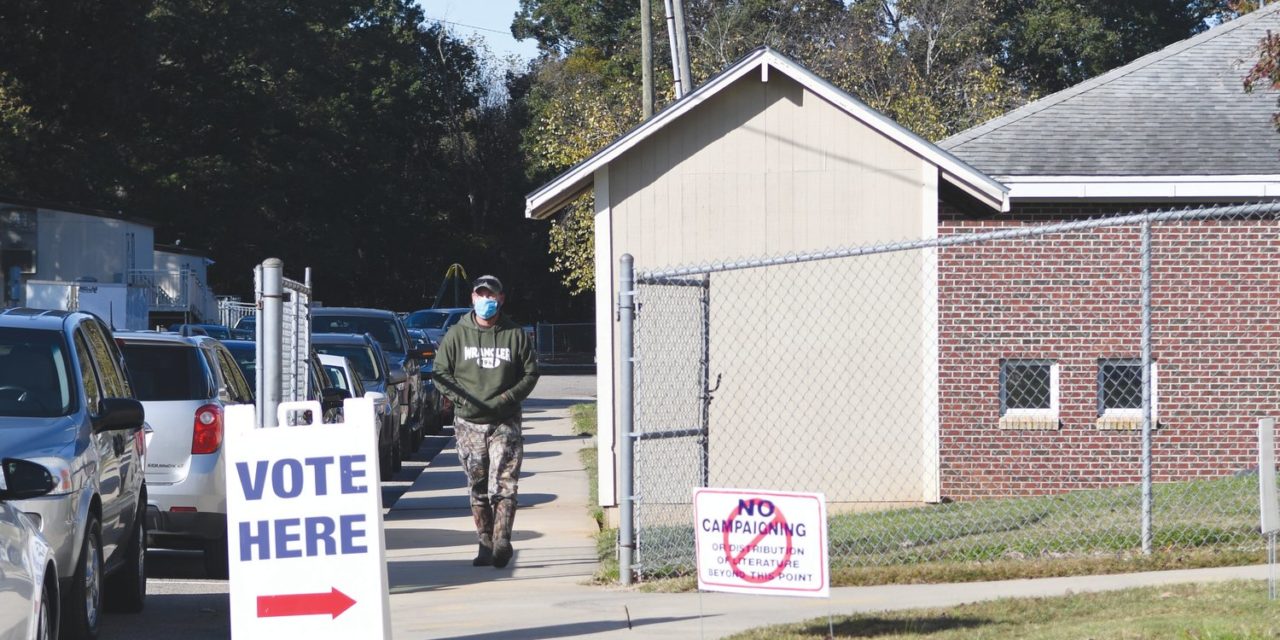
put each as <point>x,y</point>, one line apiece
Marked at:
<point>487,373</point>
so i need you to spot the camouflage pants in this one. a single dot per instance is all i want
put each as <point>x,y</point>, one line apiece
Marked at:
<point>491,455</point>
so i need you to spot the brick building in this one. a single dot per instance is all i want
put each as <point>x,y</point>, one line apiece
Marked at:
<point>1039,340</point>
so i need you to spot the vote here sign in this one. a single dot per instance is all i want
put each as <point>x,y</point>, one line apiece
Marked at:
<point>304,527</point>
<point>763,542</point>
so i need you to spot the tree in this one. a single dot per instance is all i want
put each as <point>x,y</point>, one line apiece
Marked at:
<point>1054,44</point>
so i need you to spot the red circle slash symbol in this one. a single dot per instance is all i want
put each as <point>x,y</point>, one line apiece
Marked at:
<point>781,525</point>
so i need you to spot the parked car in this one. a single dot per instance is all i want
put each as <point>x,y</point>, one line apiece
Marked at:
<point>245,328</point>
<point>376,374</point>
<point>215,331</point>
<point>245,353</point>
<point>67,403</point>
<point>436,322</point>
<point>345,376</point>
<point>28,570</point>
<point>389,331</point>
<point>184,384</point>
<point>439,411</point>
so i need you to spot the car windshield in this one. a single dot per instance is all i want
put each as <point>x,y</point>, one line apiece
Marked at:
<point>427,319</point>
<point>34,380</point>
<point>164,372</point>
<point>384,330</point>
<point>247,322</point>
<point>361,358</point>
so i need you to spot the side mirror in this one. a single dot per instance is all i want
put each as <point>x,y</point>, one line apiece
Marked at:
<point>396,374</point>
<point>25,479</point>
<point>375,396</point>
<point>333,397</point>
<point>116,414</point>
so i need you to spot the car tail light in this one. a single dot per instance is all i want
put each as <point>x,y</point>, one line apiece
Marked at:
<point>206,437</point>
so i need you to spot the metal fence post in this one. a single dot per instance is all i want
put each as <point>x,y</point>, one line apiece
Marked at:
<point>272,299</point>
<point>705,439</point>
<point>626,418</point>
<point>1146,386</point>
<point>259,388</point>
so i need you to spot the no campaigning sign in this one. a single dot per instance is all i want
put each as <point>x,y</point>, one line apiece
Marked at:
<point>764,542</point>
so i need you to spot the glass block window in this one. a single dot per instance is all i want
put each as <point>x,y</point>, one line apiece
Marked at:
<point>1029,388</point>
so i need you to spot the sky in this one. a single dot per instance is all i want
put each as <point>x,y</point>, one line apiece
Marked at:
<point>489,19</point>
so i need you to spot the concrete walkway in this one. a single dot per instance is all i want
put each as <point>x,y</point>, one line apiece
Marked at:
<point>543,593</point>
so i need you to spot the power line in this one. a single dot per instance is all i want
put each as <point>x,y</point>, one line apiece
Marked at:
<point>469,26</point>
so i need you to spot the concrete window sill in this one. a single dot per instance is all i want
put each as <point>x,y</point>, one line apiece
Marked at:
<point>1029,423</point>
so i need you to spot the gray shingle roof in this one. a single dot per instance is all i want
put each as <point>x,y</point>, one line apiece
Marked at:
<point>1179,111</point>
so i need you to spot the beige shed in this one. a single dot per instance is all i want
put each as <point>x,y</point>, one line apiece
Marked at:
<point>768,159</point>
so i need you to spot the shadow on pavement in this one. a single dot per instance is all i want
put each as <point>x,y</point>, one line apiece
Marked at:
<point>535,438</point>
<point>434,538</point>
<point>190,616</point>
<point>455,503</point>
<point>419,576</point>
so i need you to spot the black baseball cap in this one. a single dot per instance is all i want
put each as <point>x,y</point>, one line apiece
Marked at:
<point>487,282</point>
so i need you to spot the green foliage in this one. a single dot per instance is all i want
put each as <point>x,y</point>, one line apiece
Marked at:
<point>350,136</point>
<point>1054,44</point>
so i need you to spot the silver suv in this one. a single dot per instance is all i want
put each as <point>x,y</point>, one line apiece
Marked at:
<point>184,383</point>
<point>66,402</point>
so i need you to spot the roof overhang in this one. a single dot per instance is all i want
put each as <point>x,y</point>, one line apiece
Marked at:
<point>1141,188</point>
<point>554,195</point>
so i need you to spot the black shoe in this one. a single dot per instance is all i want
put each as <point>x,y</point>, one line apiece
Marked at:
<point>501,552</point>
<point>484,555</point>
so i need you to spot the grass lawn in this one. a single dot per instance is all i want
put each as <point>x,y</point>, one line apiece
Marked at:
<point>584,424</point>
<point>1231,610</point>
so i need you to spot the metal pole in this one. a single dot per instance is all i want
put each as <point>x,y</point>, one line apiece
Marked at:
<point>682,48</point>
<point>272,300</point>
<point>1146,387</point>
<point>705,440</point>
<point>626,418</point>
<point>259,389</point>
<point>646,57</point>
<point>675,50</point>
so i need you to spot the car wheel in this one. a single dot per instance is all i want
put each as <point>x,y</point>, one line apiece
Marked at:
<point>406,442</point>
<point>385,464</point>
<point>415,439</point>
<point>397,455</point>
<point>215,559</point>
<point>127,587</point>
<point>46,625</point>
<point>84,598</point>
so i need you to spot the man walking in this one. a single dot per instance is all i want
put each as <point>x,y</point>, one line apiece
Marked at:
<point>486,366</point>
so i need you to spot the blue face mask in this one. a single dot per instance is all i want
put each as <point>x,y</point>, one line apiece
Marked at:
<point>486,308</point>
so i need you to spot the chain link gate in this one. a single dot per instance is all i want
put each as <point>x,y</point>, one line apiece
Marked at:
<point>979,396</point>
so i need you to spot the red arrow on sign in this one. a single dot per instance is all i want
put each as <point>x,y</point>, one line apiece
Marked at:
<point>304,604</point>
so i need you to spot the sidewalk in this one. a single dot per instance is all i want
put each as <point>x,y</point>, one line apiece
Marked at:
<point>543,593</point>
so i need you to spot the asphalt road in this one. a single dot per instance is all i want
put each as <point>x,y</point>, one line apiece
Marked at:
<point>182,603</point>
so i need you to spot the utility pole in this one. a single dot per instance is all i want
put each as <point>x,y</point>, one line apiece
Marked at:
<point>682,47</point>
<point>646,56</point>
<point>675,49</point>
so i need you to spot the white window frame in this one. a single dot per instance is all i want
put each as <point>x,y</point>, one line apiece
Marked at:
<point>1128,414</point>
<point>1042,414</point>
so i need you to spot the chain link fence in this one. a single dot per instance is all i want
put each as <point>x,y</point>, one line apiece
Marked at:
<point>978,396</point>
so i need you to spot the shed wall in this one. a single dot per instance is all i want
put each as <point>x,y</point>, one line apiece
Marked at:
<point>766,169</point>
